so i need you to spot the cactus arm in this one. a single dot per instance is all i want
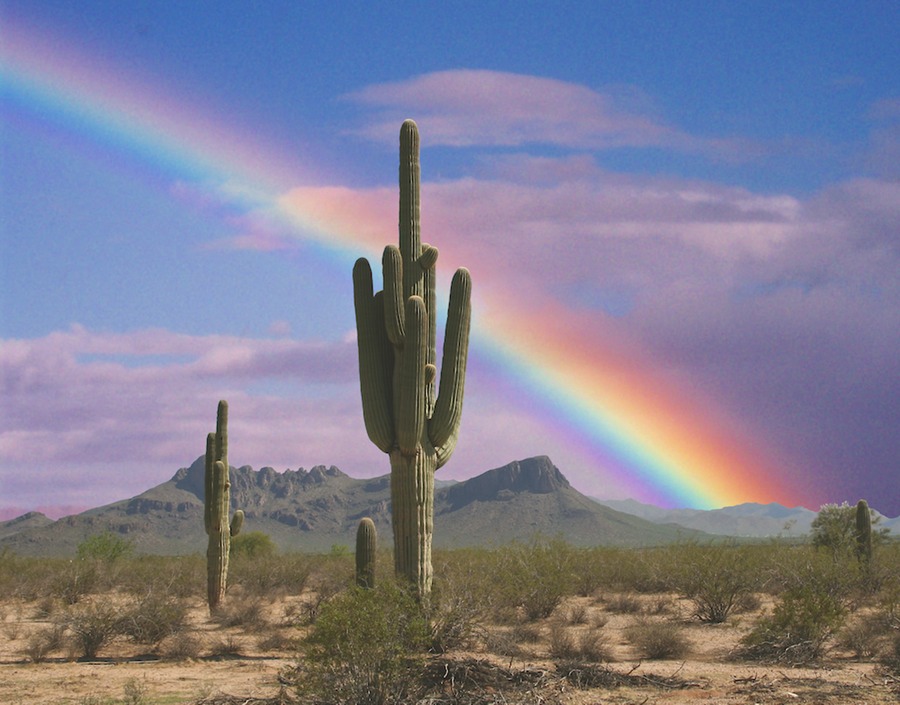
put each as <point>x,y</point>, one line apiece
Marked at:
<point>427,263</point>
<point>411,411</point>
<point>392,268</point>
<point>444,425</point>
<point>237,521</point>
<point>374,365</point>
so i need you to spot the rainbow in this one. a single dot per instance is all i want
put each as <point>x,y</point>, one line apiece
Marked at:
<point>639,427</point>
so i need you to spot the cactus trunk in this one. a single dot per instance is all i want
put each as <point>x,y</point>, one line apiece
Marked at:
<point>412,516</point>
<point>863,531</point>
<point>397,370</point>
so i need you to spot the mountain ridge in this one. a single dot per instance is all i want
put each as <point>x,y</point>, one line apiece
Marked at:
<point>315,509</point>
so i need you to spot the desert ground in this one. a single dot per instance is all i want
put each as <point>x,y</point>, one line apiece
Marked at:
<point>585,651</point>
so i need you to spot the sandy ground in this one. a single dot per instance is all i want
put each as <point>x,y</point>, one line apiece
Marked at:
<point>251,667</point>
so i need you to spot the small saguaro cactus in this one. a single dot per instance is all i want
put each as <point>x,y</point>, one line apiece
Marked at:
<point>216,507</point>
<point>397,371</point>
<point>366,544</point>
<point>863,531</point>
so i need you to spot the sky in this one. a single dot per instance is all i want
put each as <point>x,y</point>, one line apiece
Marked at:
<point>682,222</point>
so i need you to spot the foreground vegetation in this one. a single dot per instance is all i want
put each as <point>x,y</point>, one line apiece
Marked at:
<point>515,615</point>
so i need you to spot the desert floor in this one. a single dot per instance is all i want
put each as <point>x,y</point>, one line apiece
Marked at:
<point>251,663</point>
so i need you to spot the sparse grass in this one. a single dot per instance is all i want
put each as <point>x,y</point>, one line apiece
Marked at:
<point>490,605</point>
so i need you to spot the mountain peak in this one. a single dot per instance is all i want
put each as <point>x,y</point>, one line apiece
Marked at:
<point>536,475</point>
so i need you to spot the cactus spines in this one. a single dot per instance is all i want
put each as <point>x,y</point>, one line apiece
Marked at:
<point>397,370</point>
<point>216,508</point>
<point>863,531</point>
<point>366,544</point>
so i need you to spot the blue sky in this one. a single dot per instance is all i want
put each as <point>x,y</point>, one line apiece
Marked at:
<point>714,185</point>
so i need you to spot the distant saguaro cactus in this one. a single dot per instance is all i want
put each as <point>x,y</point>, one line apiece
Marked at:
<point>216,507</point>
<point>366,545</point>
<point>863,531</point>
<point>396,338</point>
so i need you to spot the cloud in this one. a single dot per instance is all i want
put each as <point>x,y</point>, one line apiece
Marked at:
<point>466,107</point>
<point>785,310</point>
<point>79,398</point>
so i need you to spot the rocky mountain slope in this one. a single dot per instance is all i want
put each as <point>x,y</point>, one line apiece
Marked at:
<point>313,510</point>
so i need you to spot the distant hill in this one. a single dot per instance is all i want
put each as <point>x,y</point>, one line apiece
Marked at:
<point>742,520</point>
<point>316,509</point>
<point>31,520</point>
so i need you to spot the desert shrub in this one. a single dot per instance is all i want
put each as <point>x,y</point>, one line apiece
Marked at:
<point>152,618</point>
<point>75,580</point>
<point>181,646</point>
<point>366,648</point>
<point>44,641</point>
<point>658,639</point>
<point>92,626</point>
<point>454,613</point>
<point>331,576</point>
<point>246,612</point>
<point>276,640</point>
<point>534,577</point>
<point>226,647</point>
<point>265,575</point>
<point>174,576</point>
<point>253,544</point>
<point>135,692</point>
<point>106,547</point>
<point>864,636</point>
<point>714,577</point>
<point>891,659</point>
<point>624,603</point>
<point>798,628</point>
<point>562,642</point>
<point>581,646</point>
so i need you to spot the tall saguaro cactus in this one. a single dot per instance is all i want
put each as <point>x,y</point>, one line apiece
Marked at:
<point>396,337</point>
<point>216,507</point>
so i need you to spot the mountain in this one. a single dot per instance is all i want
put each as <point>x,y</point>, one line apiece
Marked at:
<point>316,509</point>
<point>742,520</point>
<point>31,520</point>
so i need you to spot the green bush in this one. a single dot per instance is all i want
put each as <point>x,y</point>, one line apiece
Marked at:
<point>253,544</point>
<point>797,630</point>
<point>715,577</point>
<point>367,648</point>
<point>534,577</point>
<point>106,547</point>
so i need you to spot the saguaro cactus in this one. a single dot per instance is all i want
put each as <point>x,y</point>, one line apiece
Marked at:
<point>396,338</point>
<point>366,544</point>
<point>216,507</point>
<point>863,531</point>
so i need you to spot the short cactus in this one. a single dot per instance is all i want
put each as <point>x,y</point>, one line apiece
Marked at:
<point>216,507</point>
<point>366,544</point>
<point>396,339</point>
<point>863,532</point>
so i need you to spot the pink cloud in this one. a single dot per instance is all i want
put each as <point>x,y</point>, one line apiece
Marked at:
<point>467,107</point>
